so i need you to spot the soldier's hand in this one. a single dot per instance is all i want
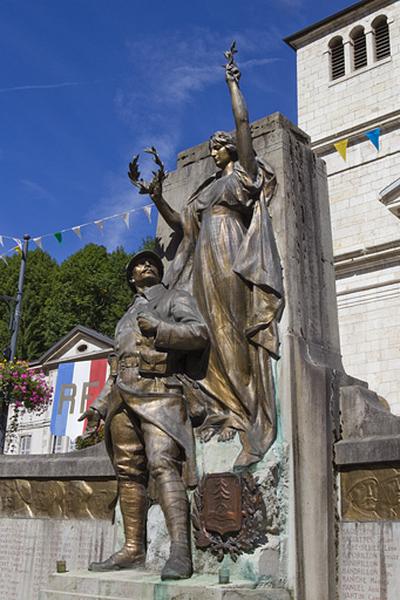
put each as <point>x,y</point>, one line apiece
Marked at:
<point>93,421</point>
<point>148,324</point>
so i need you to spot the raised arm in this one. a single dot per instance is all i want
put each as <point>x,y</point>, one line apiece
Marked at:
<point>244,142</point>
<point>154,189</point>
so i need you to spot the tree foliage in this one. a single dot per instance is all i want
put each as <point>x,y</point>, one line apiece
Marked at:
<point>89,288</point>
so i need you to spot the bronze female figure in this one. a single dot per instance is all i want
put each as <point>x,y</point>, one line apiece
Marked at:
<point>228,258</point>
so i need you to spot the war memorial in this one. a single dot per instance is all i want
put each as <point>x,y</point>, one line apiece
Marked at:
<point>246,461</point>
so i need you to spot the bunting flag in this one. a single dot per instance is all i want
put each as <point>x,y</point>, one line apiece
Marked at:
<point>77,231</point>
<point>125,218</point>
<point>77,386</point>
<point>100,224</point>
<point>147,210</point>
<point>373,136</point>
<point>341,147</point>
<point>3,258</point>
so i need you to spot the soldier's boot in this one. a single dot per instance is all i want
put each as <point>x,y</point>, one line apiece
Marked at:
<point>175,505</point>
<point>133,502</point>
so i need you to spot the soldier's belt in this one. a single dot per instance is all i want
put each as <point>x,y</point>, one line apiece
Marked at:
<point>128,362</point>
<point>135,392</point>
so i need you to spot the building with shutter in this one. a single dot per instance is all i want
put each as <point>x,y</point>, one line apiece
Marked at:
<point>348,81</point>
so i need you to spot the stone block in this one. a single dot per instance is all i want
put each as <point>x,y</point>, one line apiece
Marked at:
<point>134,584</point>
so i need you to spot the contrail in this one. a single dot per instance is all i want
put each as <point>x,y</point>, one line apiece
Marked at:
<point>49,86</point>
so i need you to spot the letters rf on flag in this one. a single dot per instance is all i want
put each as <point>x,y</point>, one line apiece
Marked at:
<point>77,386</point>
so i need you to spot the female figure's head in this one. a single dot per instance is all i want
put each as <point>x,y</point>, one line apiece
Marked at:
<point>223,148</point>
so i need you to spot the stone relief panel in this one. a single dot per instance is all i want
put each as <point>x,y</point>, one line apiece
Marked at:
<point>370,494</point>
<point>75,499</point>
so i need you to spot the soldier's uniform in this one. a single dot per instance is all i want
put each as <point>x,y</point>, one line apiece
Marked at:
<point>147,428</point>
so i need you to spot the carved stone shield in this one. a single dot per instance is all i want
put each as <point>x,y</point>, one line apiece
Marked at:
<point>229,514</point>
<point>222,503</point>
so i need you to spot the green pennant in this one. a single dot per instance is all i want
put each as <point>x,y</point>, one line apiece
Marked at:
<point>58,236</point>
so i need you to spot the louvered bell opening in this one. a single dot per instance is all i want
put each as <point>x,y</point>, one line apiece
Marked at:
<point>382,41</point>
<point>337,61</point>
<point>360,51</point>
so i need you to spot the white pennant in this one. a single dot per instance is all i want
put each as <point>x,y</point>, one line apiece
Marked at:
<point>77,231</point>
<point>125,217</point>
<point>38,242</point>
<point>147,210</point>
<point>99,224</point>
<point>1,240</point>
<point>17,241</point>
<point>3,258</point>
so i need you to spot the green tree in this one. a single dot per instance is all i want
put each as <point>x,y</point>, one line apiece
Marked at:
<point>39,276</point>
<point>89,288</point>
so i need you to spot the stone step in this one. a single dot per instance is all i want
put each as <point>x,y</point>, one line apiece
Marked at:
<point>142,585</point>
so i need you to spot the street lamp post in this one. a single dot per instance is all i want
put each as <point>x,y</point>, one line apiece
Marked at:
<point>14,334</point>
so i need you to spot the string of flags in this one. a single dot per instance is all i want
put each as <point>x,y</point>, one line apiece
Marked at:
<point>373,136</point>
<point>77,230</point>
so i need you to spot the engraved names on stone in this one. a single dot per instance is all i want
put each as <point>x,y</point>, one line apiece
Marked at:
<point>369,559</point>
<point>31,547</point>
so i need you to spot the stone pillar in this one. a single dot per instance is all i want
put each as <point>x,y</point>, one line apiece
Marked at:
<point>309,339</point>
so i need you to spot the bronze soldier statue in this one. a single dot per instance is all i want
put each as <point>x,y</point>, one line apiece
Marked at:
<point>147,429</point>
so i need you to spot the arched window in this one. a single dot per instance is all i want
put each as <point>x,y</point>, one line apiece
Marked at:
<point>380,28</point>
<point>337,57</point>
<point>359,41</point>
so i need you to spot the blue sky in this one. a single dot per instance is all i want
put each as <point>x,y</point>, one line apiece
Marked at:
<point>85,84</point>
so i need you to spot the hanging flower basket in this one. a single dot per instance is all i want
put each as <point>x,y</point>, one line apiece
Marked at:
<point>25,389</point>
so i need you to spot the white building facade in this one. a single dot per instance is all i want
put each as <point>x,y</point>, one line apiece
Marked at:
<point>76,368</point>
<point>348,72</point>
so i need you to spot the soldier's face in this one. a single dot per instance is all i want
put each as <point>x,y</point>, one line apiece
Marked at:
<point>145,273</point>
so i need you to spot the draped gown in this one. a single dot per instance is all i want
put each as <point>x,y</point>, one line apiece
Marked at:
<point>229,260</point>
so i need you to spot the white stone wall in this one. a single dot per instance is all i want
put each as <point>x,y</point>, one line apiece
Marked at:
<point>369,318</point>
<point>359,219</point>
<point>368,297</point>
<point>327,107</point>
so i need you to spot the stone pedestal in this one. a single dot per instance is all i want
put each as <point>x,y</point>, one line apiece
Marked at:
<point>129,585</point>
<point>307,376</point>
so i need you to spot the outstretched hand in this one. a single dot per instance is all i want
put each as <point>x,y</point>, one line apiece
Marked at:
<point>93,421</point>
<point>232,72</point>
<point>152,188</point>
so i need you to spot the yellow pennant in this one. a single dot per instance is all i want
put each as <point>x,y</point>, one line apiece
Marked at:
<point>18,250</point>
<point>341,147</point>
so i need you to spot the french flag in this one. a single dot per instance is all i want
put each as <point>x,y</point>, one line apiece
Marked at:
<point>78,385</point>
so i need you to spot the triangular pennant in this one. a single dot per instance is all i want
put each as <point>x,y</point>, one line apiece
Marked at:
<point>3,258</point>
<point>18,250</point>
<point>58,236</point>
<point>77,231</point>
<point>1,240</point>
<point>19,242</point>
<point>125,218</point>
<point>373,136</point>
<point>341,147</point>
<point>147,210</point>
<point>38,242</point>
<point>99,224</point>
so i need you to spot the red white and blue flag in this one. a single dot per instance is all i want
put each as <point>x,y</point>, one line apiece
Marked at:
<point>77,386</point>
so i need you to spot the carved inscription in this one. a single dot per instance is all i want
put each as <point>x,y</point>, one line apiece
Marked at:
<point>57,499</point>
<point>369,558</point>
<point>371,495</point>
<point>31,547</point>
